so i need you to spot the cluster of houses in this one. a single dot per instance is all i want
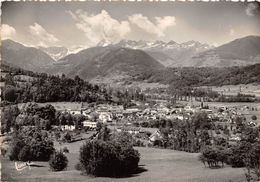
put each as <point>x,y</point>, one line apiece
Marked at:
<point>116,114</point>
<point>119,116</point>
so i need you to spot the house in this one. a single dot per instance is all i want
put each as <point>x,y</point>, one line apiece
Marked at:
<point>68,127</point>
<point>155,136</point>
<point>235,138</point>
<point>105,117</point>
<point>74,112</point>
<point>90,124</point>
<point>131,130</point>
<point>86,112</point>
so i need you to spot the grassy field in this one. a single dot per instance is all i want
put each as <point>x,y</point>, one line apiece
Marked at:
<point>252,89</point>
<point>157,164</point>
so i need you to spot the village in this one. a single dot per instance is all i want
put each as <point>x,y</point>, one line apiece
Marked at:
<point>137,119</point>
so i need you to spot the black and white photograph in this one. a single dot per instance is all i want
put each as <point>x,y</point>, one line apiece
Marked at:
<point>130,91</point>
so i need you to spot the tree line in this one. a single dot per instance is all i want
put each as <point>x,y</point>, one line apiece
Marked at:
<point>41,87</point>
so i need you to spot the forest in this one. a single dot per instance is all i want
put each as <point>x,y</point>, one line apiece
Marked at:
<point>211,76</point>
<point>23,86</point>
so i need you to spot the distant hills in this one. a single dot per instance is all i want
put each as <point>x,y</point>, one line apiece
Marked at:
<point>131,60</point>
<point>28,58</point>
<point>213,76</point>
<point>240,52</point>
<point>55,52</point>
<point>110,62</point>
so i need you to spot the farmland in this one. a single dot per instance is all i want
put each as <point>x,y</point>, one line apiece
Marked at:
<point>156,164</point>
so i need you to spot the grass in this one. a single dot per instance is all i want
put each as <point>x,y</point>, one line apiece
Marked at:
<point>252,89</point>
<point>157,164</point>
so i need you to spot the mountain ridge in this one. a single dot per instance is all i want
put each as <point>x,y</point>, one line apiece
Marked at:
<point>29,58</point>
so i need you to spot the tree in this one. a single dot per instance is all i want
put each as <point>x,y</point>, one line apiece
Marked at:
<point>103,132</point>
<point>24,154</point>
<point>238,153</point>
<point>8,117</point>
<point>67,137</point>
<point>10,94</point>
<point>255,162</point>
<point>108,158</point>
<point>58,161</point>
<point>32,143</point>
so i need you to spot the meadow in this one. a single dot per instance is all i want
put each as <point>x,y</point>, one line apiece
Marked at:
<point>155,165</point>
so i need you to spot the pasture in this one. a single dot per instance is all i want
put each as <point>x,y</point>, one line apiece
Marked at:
<point>156,165</point>
<point>251,89</point>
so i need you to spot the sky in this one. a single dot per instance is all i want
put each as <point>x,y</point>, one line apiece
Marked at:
<point>74,24</point>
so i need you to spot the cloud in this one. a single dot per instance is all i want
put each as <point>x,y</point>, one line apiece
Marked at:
<point>158,27</point>
<point>41,36</point>
<point>100,27</point>
<point>7,31</point>
<point>251,9</point>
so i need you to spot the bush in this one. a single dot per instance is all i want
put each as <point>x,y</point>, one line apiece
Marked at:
<point>58,161</point>
<point>139,143</point>
<point>254,117</point>
<point>67,137</point>
<point>3,151</point>
<point>108,158</point>
<point>78,167</point>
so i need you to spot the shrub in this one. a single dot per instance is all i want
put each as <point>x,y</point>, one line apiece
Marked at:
<point>3,151</point>
<point>254,117</point>
<point>67,137</point>
<point>139,143</point>
<point>108,158</point>
<point>78,167</point>
<point>58,161</point>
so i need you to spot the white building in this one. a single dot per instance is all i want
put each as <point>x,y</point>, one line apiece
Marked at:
<point>89,124</point>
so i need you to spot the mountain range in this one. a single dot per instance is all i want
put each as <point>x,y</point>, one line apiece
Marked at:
<point>170,54</point>
<point>129,59</point>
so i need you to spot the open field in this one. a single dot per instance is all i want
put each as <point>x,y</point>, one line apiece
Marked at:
<point>252,89</point>
<point>157,164</point>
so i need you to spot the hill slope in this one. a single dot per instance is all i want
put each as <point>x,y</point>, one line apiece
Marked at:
<point>240,52</point>
<point>109,62</point>
<point>190,76</point>
<point>28,58</point>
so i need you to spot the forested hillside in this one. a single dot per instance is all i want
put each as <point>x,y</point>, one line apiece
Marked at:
<point>189,76</point>
<point>27,86</point>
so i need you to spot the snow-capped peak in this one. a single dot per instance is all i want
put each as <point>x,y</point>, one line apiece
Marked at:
<point>157,45</point>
